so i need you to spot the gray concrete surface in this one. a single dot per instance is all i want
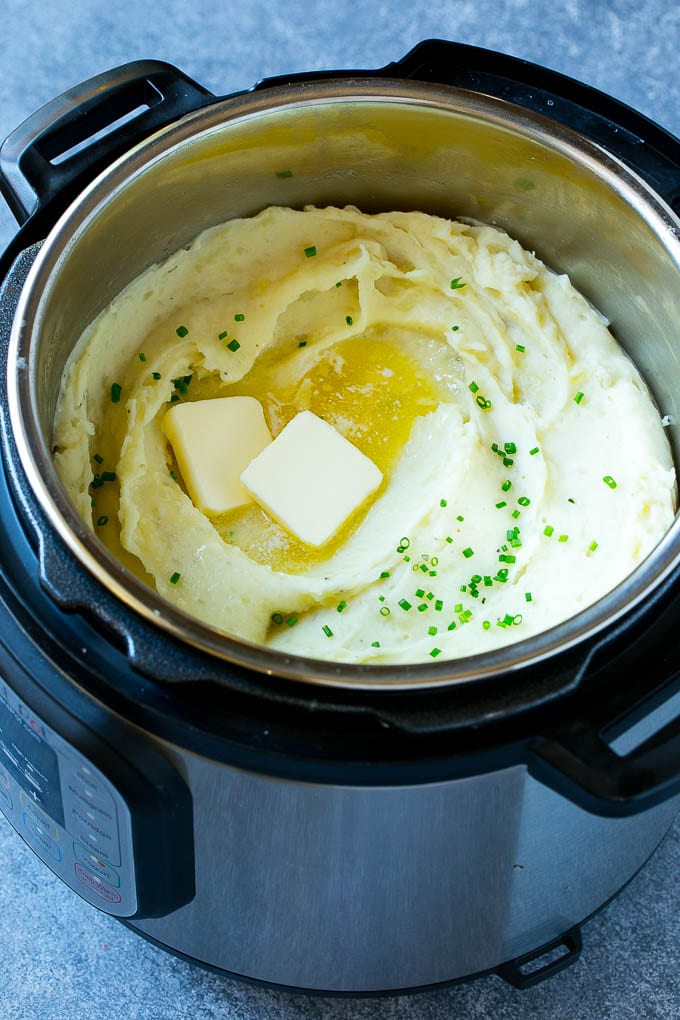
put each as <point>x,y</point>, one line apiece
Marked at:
<point>61,959</point>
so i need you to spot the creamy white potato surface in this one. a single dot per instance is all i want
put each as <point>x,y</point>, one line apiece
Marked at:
<point>525,468</point>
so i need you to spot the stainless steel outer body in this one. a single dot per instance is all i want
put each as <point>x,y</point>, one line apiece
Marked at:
<point>378,145</point>
<point>360,889</point>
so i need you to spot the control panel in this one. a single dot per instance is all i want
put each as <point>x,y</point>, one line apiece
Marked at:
<point>67,811</point>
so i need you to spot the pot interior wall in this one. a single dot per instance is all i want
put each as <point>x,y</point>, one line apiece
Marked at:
<point>472,157</point>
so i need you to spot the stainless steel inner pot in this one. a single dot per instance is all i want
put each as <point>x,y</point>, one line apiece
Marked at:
<point>378,145</point>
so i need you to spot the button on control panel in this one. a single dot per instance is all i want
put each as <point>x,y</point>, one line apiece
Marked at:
<point>65,808</point>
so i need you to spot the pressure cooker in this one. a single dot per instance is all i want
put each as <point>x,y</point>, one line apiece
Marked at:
<point>308,824</point>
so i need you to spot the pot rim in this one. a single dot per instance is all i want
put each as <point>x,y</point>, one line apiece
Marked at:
<point>36,458</point>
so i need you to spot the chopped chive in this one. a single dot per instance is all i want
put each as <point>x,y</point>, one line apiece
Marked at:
<point>455,328</point>
<point>291,621</point>
<point>548,530</point>
<point>403,604</point>
<point>303,343</point>
<point>449,539</point>
<point>499,506</point>
<point>457,284</point>
<point>98,457</point>
<point>282,174</point>
<point>173,475</point>
<point>467,553</point>
<point>311,251</point>
<point>223,335</point>
<point>510,447</point>
<point>507,558</point>
<point>578,398</point>
<point>155,375</point>
<point>508,462</point>
<point>233,345</point>
<point>404,543</point>
<point>520,347</point>
<point>487,581</point>
<point>349,320</point>
<point>442,502</point>
<point>339,283</point>
<point>174,578</point>
<point>182,331</point>
<point>452,625</point>
<point>517,619</point>
<point>341,605</point>
<point>438,606</point>
<point>563,538</point>
<point>507,484</point>
<point>473,387</point>
<point>384,574</point>
<point>422,607</point>
<point>528,597</point>
<point>532,453</point>
<point>108,476</point>
<point>484,403</point>
<point>592,547</point>
<point>524,501</point>
<point>435,652</point>
<point>432,631</point>
<point>420,593</point>
<point>516,514</point>
<point>277,618</point>
<point>460,518</point>
<point>608,480</point>
<point>434,561</point>
<point>101,521</point>
<point>142,357</point>
<point>327,630</point>
<point>115,392</point>
<point>375,644</point>
<point>486,624</point>
<point>384,611</point>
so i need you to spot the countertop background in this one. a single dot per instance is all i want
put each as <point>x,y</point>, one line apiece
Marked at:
<point>59,957</point>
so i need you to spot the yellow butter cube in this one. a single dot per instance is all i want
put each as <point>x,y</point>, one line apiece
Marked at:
<point>213,441</point>
<point>310,479</point>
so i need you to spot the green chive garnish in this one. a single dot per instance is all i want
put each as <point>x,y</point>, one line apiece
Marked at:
<point>507,484</point>
<point>233,345</point>
<point>432,631</point>
<point>457,284</point>
<point>384,611</point>
<point>311,251</point>
<point>524,501</point>
<point>578,398</point>
<point>291,621</point>
<point>548,530</point>
<point>403,604</point>
<point>282,174</point>
<point>142,357</point>
<point>174,578</point>
<point>182,331</point>
<point>473,387</point>
<point>349,320</point>
<point>384,574</point>
<point>563,538</point>
<point>532,453</point>
<point>327,630</point>
<point>528,597</point>
<point>608,480</point>
<point>223,335</point>
<point>303,343</point>
<point>239,317</point>
<point>115,392</point>
<point>101,521</point>
<point>520,347</point>
<point>277,618</point>
<point>435,652</point>
<point>341,605</point>
<point>375,644</point>
<point>442,502</point>
<point>467,553</point>
<point>98,457</point>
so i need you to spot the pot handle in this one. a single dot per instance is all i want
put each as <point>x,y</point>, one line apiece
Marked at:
<point>640,143</point>
<point>65,144</point>
<point>619,753</point>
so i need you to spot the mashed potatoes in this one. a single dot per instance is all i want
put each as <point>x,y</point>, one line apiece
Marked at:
<point>525,468</point>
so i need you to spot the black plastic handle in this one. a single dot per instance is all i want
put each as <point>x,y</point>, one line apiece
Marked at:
<point>633,678</point>
<point>63,146</point>
<point>640,143</point>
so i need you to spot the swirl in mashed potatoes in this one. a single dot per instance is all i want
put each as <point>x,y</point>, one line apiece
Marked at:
<point>526,472</point>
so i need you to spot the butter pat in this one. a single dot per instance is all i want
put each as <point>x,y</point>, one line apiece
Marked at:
<point>310,479</point>
<point>213,440</point>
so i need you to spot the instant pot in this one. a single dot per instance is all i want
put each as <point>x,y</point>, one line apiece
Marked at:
<point>310,824</point>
